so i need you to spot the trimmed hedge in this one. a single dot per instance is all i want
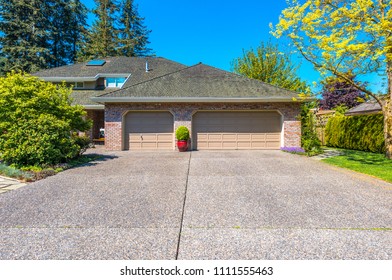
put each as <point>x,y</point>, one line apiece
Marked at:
<point>364,133</point>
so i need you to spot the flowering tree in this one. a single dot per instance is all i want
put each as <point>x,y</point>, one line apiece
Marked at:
<point>345,36</point>
<point>337,92</point>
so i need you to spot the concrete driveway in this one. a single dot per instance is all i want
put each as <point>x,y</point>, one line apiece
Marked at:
<point>199,205</point>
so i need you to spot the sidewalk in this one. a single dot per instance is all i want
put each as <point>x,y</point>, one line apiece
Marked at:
<point>8,184</point>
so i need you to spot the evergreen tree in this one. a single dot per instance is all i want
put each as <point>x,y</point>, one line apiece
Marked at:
<point>102,40</point>
<point>23,44</point>
<point>78,30</point>
<point>66,30</point>
<point>36,34</point>
<point>133,34</point>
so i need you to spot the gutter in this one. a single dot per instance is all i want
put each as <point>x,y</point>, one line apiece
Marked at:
<point>94,107</point>
<point>85,79</point>
<point>189,99</point>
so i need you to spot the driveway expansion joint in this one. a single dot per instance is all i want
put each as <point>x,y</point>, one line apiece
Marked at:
<point>183,206</point>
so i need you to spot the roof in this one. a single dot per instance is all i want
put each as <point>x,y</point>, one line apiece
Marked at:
<point>369,107</point>
<point>198,83</point>
<point>134,66</point>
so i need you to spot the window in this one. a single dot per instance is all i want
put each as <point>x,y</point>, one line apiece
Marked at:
<point>115,82</point>
<point>75,85</point>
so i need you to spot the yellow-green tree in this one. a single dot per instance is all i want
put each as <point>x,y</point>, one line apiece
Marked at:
<point>345,36</point>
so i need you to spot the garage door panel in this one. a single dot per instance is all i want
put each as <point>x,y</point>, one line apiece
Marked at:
<point>237,130</point>
<point>148,131</point>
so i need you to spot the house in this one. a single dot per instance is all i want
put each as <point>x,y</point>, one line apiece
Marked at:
<point>366,108</point>
<point>141,101</point>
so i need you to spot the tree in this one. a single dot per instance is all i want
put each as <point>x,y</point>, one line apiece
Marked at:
<point>36,34</point>
<point>341,37</point>
<point>102,40</point>
<point>133,34</point>
<point>268,64</point>
<point>23,43</point>
<point>339,92</point>
<point>66,30</point>
<point>37,119</point>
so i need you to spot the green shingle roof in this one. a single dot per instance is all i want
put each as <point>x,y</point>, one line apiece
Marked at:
<point>200,81</point>
<point>135,66</point>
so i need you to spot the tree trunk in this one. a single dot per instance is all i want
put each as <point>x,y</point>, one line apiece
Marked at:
<point>387,111</point>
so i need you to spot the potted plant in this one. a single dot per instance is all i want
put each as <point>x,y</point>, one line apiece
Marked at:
<point>182,135</point>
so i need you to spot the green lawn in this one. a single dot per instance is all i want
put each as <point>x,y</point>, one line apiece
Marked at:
<point>364,162</point>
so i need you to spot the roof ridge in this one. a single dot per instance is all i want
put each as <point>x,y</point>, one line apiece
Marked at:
<point>250,79</point>
<point>149,80</point>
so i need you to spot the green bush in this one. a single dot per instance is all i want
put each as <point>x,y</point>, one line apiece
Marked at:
<point>364,133</point>
<point>182,133</point>
<point>309,140</point>
<point>38,142</point>
<point>37,119</point>
<point>83,142</point>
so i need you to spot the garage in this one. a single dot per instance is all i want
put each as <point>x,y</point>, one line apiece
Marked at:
<point>236,130</point>
<point>148,131</point>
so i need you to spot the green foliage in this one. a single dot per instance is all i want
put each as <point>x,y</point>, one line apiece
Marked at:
<point>182,133</point>
<point>117,31</point>
<point>102,38</point>
<point>364,132</point>
<point>132,33</point>
<point>38,141</point>
<point>340,109</point>
<point>36,34</point>
<point>309,140</point>
<point>345,38</point>
<point>13,172</point>
<point>22,29</point>
<point>83,142</point>
<point>268,64</point>
<point>36,122</point>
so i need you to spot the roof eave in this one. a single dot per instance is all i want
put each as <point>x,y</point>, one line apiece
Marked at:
<point>367,112</point>
<point>84,79</point>
<point>94,107</point>
<point>192,99</point>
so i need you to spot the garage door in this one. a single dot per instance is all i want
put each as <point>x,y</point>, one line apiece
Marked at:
<point>236,130</point>
<point>148,131</point>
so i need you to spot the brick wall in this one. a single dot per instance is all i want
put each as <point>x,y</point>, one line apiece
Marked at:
<point>183,112</point>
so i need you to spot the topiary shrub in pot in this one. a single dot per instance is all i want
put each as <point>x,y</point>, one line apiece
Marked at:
<point>182,135</point>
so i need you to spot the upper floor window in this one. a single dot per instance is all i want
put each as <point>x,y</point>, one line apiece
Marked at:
<point>115,82</point>
<point>75,85</point>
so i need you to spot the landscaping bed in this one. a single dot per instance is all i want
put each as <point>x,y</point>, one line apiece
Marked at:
<point>34,173</point>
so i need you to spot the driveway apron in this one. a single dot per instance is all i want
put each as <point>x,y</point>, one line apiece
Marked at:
<point>274,205</point>
<point>128,206</point>
<point>199,205</point>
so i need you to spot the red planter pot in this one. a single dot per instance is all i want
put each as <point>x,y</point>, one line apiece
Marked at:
<point>182,145</point>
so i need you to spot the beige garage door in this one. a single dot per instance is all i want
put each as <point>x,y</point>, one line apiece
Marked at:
<point>236,130</point>
<point>148,131</point>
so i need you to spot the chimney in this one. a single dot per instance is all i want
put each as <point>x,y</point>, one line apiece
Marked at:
<point>147,68</point>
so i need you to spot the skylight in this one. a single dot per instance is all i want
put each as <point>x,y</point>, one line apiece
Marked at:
<point>96,63</point>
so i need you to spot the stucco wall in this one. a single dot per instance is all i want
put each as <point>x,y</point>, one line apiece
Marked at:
<point>183,112</point>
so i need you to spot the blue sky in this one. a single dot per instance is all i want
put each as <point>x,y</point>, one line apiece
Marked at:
<point>214,32</point>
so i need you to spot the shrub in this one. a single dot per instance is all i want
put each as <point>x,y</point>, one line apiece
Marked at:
<point>309,139</point>
<point>38,142</point>
<point>364,133</point>
<point>36,122</point>
<point>83,142</point>
<point>182,133</point>
<point>14,172</point>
